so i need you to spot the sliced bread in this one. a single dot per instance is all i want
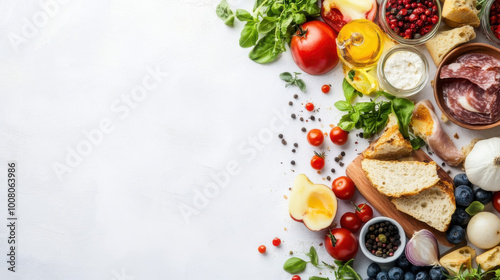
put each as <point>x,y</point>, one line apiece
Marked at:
<point>461,12</point>
<point>400,178</point>
<point>434,206</point>
<point>445,41</point>
<point>489,259</point>
<point>390,145</point>
<point>454,260</point>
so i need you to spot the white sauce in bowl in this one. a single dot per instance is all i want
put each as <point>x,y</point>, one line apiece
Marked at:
<point>404,70</point>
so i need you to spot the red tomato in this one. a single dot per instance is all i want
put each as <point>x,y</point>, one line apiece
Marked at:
<point>350,221</point>
<point>325,88</point>
<point>364,212</point>
<point>341,244</point>
<point>343,187</point>
<point>262,249</point>
<point>315,137</point>
<point>314,48</point>
<point>318,161</point>
<point>309,107</point>
<point>276,241</point>
<point>496,201</point>
<point>338,136</point>
<point>337,20</point>
<point>296,277</point>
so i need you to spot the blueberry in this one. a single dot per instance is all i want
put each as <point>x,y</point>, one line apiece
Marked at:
<point>438,273</point>
<point>403,263</point>
<point>396,273</point>
<point>409,276</point>
<point>382,276</point>
<point>461,179</point>
<point>456,234</point>
<point>371,278</point>
<point>372,270</point>
<point>422,275</point>
<point>417,269</point>
<point>460,217</point>
<point>483,196</point>
<point>464,195</point>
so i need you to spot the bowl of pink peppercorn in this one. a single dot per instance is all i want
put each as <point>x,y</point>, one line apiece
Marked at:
<point>410,22</point>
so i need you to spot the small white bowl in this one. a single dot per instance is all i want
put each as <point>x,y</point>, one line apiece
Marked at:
<point>372,257</point>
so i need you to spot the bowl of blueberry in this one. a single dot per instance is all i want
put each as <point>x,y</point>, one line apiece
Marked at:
<point>469,200</point>
<point>404,270</point>
<point>382,240</point>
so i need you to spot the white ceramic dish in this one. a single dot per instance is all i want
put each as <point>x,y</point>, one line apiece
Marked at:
<point>368,254</point>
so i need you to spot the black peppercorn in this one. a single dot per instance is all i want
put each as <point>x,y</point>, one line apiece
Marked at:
<point>303,129</point>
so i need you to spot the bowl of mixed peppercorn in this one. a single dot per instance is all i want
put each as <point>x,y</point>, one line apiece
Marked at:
<point>382,240</point>
<point>411,22</point>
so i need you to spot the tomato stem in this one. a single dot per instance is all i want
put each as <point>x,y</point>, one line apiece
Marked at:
<point>301,32</point>
<point>332,238</point>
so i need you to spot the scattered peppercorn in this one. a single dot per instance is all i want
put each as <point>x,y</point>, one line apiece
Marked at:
<point>336,159</point>
<point>303,129</point>
<point>333,170</point>
<point>296,145</point>
<point>341,164</point>
<point>293,150</point>
<point>290,103</point>
<point>361,134</point>
<point>301,119</point>
<point>295,96</point>
<point>280,136</point>
<point>293,162</point>
<point>283,142</point>
<point>312,118</point>
<point>293,116</point>
<point>342,153</point>
<point>328,178</point>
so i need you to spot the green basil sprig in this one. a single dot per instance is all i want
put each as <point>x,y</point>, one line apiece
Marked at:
<point>274,20</point>
<point>293,80</point>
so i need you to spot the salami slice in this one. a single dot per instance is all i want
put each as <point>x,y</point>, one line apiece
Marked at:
<point>485,79</point>
<point>479,60</point>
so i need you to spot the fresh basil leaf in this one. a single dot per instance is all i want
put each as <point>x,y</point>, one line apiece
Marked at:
<point>243,15</point>
<point>249,35</point>
<point>403,108</point>
<point>314,256</point>
<point>294,265</point>
<point>264,52</point>
<point>347,125</point>
<point>286,76</point>
<point>417,143</point>
<point>257,4</point>
<point>300,83</point>
<point>342,105</point>
<point>225,13</point>
<point>474,208</point>
<point>299,18</point>
<point>318,278</point>
<point>351,74</point>
<point>313,10</point>
<point>285,23</point>
<point>311,2</point>
<point>364,106</point>
<point>355,117</point>
<point>277,8</point>
<point>349,91</point>
<point>386,94</point>
<point>266,25</point>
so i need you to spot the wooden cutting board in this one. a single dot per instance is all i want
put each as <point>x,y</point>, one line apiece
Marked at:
<point>385,206</point>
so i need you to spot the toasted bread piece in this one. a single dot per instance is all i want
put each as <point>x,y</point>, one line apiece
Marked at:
<point>400,178</point>
<point>489,259</point>
<point>454,260</point>
<point>461,12</point>
<point>390,145</point>
<point>434,206</point>
<point>445,41</point>
<point>453,24</point>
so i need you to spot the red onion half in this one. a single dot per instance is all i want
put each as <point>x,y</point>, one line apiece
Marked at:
<point>423,249</point>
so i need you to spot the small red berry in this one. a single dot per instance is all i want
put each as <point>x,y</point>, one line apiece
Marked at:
<point>309,107</point>
<point>296,277</point>
<point>276,241</point>
<point>325,88</point>
<point>262,249</point>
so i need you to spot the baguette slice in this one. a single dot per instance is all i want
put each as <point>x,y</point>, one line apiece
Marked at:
<point>461,11</point>
<point>434,206</point>
<point>390,145</point>
<point>454,260</point>
<point>489,259</point>
<point>445,41</point>
<point>400,178</point>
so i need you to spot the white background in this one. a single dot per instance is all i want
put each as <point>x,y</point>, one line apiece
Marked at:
<point>116,214</point>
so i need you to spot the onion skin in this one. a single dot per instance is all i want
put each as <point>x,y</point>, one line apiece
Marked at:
<point>421,241</point>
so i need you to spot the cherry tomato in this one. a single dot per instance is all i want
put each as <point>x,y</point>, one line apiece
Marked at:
<point>315,137</point>
<point>262,249</point>
<point>325,88</point>
<point>350,221</point>
<point>343,188</point>
<point>341,244</point>
<point>364,212</point>
<point>338,136</point>
<point>314,48</point>
<point>276,241</point>
<point>309,107</point>
<point>496,201</point>
<point>318,161</point>
<point>296,277</point>
<point>337,20</point>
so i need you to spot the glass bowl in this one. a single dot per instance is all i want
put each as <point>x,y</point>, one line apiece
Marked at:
<point>384,82</point>
<point>485,22</point>
<point>387,29</point>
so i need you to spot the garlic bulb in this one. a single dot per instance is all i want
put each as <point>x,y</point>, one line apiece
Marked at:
<point>482,165</point>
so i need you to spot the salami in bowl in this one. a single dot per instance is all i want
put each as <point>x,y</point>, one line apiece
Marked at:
<point>467,86</point>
